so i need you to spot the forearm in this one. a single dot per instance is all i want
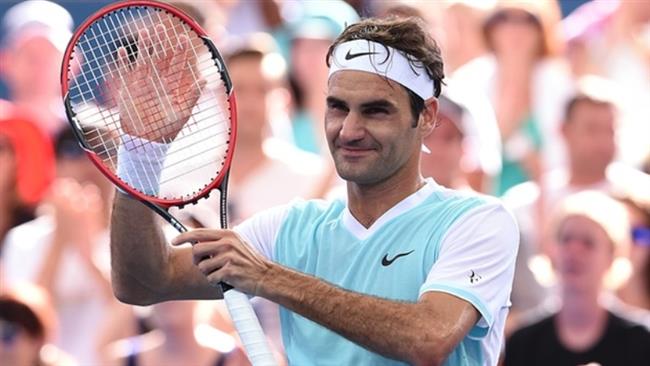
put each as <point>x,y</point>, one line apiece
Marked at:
<point>409,332</point>
<point>139,254</point>
<point>144,268</point>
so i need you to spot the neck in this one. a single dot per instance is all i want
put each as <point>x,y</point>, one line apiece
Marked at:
<point>579,309</point>
<point>581,321</point>
<point>368,202</point>
<point>580,175</point>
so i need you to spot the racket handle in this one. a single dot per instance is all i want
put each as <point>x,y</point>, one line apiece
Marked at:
<point>249,329</point>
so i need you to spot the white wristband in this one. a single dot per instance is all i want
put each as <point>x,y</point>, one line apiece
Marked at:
<point>140,163</point>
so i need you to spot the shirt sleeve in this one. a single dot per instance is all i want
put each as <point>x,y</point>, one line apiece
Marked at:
<point>261,230</point>
<point>476,261</point>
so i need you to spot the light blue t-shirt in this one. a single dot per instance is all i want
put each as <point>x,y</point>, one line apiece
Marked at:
<point>434,240</point>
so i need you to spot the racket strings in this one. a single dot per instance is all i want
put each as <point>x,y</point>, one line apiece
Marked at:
<point>111,87</point>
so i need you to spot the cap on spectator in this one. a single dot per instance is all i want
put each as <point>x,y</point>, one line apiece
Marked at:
<point>453,111</point>
<point>37,18</point>
<point>33,153</point>
<point>323,20</point>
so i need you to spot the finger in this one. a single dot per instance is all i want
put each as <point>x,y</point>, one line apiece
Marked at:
<point>220,275</point>
<point>144,57</point>
<point>209,249</point>
<point>209,265</point>
<point>123,66</point>
<point>178,62</point>
<point>165,46</point>
<point>199,235</point>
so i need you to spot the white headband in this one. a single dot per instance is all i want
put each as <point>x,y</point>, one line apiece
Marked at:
<point>369,56</point>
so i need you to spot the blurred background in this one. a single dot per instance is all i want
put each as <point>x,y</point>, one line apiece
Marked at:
<point>545,101</point>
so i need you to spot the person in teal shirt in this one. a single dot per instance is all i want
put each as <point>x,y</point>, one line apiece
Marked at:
<point>401,271</point>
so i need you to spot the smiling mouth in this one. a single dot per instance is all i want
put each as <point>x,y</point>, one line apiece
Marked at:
<point>354,151</point>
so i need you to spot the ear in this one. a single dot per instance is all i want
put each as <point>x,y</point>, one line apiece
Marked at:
<point>429,117</point>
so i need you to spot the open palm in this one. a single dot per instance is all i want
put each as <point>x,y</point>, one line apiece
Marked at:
<point>159,89</point>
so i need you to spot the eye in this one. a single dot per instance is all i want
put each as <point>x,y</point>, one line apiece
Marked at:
<point>336,105</point>
<point>375,111</point>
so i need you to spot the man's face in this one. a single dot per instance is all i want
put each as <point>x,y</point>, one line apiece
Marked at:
<point>583,254</point>
<point>369,127</point>
<point>589,135</point>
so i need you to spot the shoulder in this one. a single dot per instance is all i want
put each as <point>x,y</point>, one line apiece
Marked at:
<point>475,207</point>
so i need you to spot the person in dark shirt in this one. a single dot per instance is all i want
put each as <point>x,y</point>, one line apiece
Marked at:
<point>589,230</point>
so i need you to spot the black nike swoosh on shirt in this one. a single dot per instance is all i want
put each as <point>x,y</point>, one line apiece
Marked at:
<point>350,56</point>
<point>387,262</point>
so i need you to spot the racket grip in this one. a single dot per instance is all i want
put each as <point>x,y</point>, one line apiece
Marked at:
<point>249,329</point>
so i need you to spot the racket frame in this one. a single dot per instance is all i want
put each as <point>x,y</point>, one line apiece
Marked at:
<point>157,204</point>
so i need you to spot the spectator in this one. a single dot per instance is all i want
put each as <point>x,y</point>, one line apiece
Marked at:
<point>264,163</point>
<point>36,33</point>
<point>611,39</point>
<point>527,84</point>
<point>178,338</point>
<point>312,34</point>
<point>443,161</point>
<point>589,229</point>
<point>26,168</point>
<point>588,129</point>
<point>26,328</point>
<point>464,40</point>
<point>65,250</point>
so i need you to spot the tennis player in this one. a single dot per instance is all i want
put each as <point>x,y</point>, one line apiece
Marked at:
<point>403,271</point>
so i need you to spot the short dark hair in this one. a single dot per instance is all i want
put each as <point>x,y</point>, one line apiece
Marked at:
<point>591,90</point>
<point>578,99</point>
<point>407,35</point>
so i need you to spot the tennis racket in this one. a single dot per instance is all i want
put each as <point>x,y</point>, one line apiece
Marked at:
<point>150,101</point>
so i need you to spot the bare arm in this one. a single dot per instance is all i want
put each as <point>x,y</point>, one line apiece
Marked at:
<point>145,270</point>
<point>422,333</point>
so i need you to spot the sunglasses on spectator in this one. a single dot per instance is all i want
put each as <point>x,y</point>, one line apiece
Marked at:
<point>641,236</point>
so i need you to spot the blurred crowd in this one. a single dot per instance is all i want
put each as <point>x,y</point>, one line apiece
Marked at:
<point>549,113</point>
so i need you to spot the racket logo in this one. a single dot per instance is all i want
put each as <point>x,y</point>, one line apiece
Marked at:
<point>387,262</point>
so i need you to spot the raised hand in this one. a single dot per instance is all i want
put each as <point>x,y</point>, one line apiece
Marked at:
<point>158,90</point>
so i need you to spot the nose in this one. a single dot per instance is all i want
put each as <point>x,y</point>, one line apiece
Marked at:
<point>352,128</point>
